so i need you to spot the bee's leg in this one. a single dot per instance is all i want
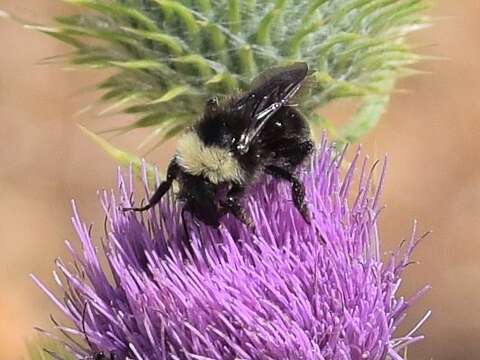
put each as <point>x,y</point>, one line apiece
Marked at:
<point>172,173</point>
<point>184,221</point>
<point>298,190</point>
<point>232,204</point>
<point>187,240</point>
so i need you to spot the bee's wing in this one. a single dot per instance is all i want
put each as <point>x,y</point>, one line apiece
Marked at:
<point>265,100</point>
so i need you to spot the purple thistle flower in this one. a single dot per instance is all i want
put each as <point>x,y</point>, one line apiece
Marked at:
<point>285,291</point>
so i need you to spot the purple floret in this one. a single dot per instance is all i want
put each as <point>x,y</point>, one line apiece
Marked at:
<point>286,290</point>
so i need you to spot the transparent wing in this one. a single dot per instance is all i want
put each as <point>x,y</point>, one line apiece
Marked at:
<point>261,103</point>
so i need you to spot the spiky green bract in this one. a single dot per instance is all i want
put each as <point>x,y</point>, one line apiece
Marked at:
<point>122,157</point>
<point>170,56</point>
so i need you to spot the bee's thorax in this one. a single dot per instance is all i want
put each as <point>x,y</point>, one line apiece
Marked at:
<point>215,163</point>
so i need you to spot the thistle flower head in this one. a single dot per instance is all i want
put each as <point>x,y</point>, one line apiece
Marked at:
<point>287,290</point>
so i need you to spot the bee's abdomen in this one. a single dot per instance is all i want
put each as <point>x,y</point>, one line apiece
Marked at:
<point>286,141</point>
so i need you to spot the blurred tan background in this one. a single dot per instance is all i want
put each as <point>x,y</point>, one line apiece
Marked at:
<point>431,133</point>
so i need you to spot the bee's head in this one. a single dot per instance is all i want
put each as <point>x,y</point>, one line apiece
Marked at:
<point>214,130</point>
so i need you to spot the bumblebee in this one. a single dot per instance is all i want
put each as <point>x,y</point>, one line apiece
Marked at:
<point>235,143</point>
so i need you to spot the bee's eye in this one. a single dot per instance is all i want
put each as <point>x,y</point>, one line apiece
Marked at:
<point>212,104</point>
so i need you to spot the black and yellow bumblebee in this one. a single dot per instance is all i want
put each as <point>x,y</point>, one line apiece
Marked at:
<point>235,142</point>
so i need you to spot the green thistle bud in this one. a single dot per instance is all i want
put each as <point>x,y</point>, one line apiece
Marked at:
<point>170,56</point>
